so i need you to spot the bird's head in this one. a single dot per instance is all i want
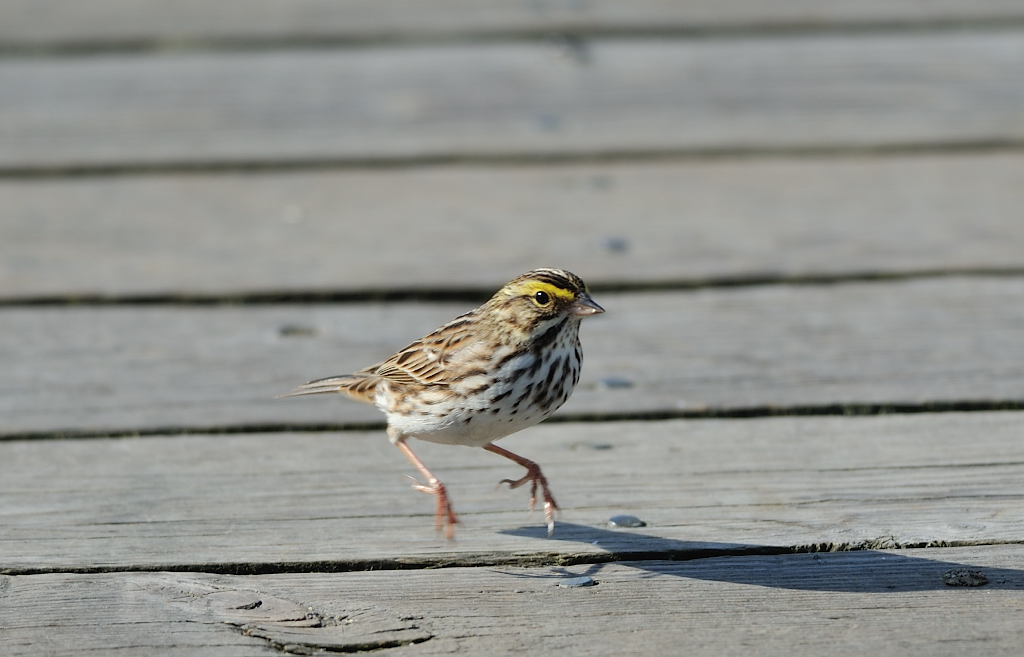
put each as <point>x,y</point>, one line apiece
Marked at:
<point>534,299</point>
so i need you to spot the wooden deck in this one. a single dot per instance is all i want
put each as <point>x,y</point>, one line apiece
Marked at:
<point>803,218</point>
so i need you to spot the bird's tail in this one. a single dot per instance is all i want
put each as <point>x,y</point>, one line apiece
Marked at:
<point>361,386</point>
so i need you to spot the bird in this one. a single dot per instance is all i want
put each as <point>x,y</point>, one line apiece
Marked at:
<point>498,369</point>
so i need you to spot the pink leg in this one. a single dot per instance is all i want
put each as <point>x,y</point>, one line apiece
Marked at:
<point>534,477</point>
<point>444,518</point>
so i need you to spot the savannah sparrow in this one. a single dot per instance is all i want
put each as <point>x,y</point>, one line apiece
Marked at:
<point>498,369</point>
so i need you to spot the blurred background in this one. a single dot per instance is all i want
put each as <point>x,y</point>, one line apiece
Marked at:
<point>782,203</point>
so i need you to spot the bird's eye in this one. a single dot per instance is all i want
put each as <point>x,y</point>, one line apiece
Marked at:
<point>542,298</point>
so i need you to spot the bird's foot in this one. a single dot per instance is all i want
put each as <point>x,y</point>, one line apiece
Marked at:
<point>444,518</point>
<point>536,479</point>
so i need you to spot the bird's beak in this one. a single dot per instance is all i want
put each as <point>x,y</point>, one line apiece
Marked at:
<point>584,305</point>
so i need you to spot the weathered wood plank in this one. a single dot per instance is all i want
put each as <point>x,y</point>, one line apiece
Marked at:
<point>512,99</point>
<point>456,227</point>
<point>132,368</point>
<point>255,503</point>
<point>782,605</point>
<point>43,23</point>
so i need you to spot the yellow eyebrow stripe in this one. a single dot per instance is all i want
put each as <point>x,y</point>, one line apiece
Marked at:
<point>529,288</point>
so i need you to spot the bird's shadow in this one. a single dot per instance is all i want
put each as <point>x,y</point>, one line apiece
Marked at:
<point>862,570</point>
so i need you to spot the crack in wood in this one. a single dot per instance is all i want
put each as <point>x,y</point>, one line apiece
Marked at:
<point>312,647</point>
<point>536,560</point>
<point>288,626</point>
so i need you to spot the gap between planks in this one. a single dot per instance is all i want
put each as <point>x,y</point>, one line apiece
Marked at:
<point>275,164</point>
<point>569,35</point>
<point>231,237</point>
<point>490,560</point>
<point>138,28</point>
<point>737,413</point>
<point>819,602</point>
<point>456,294</point>
<point>318,502</point>
<point>559,104</point>
<point>815,350</point>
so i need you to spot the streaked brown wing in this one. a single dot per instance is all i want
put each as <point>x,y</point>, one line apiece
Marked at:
<point>428,360</point>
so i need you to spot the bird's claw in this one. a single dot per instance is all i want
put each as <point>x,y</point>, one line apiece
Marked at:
<point>444,518</point>
<point>535,479</point>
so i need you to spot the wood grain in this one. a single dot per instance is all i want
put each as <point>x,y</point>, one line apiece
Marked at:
<point>259,503</point>
<point>80,23</point>
<point>145,367</point>
<point>782,605</point>
<point>510,100</point>
<point>360,147</point>
<point>463,227</point>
